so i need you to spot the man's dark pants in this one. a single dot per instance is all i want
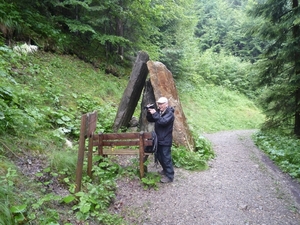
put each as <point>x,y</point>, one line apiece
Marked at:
<point>165,159</point>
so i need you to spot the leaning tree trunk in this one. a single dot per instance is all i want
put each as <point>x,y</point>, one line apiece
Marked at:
<point>132,92</point>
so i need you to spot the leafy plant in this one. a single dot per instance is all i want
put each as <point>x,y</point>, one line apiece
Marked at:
<point>204,148</point>
<point>282,149</point>
<point>6,197</point>
<point>188,160</point>
<point>97,194</point>
<point>23,207</point>
<point>195,160</point>
<point>150,180</point>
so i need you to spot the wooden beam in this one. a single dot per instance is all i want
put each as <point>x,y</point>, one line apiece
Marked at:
<point>90,157</point>
<point>121,152</point>
<point>81,152</point>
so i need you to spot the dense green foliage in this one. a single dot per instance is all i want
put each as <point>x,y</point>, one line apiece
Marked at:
<point>279,65</point>
<point>282,149</point>
<point>99,31</point>
<point>222,26</point>
<point>210,47</point>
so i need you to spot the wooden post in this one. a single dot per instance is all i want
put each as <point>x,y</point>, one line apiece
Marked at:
<point>87,128</point>
<point>141,154</point>
<point>90,157</point>
<point>81,152</point>
<point>100,144</point>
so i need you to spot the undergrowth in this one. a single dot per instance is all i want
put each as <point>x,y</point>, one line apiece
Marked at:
<point>282,149</point>
<point>193,160</point>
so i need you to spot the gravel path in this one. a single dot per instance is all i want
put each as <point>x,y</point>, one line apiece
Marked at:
<point>241,187</point>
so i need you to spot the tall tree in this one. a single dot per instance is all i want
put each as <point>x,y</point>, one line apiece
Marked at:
<point>178,41</point>
<point>222,25</point>
<point>279,66</point>
<point>88,28</point>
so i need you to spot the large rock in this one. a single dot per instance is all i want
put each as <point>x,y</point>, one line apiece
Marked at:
<point>132,92</point>
<point>163,84</point>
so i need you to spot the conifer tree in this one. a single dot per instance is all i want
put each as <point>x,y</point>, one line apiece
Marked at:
<point>279,65</point>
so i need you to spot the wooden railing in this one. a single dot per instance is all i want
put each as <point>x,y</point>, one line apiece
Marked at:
<point>108,144</point>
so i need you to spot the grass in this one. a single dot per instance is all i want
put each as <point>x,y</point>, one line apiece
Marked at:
<point>72,77</point>
<point>213,108</point>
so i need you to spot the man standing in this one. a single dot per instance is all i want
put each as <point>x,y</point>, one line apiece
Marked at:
<point>163,118</point>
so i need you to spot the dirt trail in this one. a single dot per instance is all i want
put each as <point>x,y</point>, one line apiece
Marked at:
<point>241,187</point>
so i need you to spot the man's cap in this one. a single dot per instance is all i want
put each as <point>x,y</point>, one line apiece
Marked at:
<point>162,100</point>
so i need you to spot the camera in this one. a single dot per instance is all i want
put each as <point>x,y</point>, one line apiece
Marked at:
<point>151,106</point>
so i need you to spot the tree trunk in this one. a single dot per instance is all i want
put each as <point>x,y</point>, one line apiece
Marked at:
<point>297,115</point>
<point>120,33</point>
<point>296,34</point>
<point>132,92</point>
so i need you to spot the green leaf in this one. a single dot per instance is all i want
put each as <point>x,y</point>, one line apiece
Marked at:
<point>35,206</point>
<point>80,194</point>
<point>68,198</point>
<point>66,118</point>
<point>32,216</point>
<point>85,208</point>
<point>19,218</point>
<point>39,174</point>
<point>2,116</point>
<point>59,121</point>
<point>18,208</point>
<point>47,170</point>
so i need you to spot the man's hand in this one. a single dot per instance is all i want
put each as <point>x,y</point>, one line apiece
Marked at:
<point>152,111</point>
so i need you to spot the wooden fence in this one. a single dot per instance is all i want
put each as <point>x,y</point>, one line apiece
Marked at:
<point>108,144</point>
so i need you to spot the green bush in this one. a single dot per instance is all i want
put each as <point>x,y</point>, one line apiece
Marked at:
<point>282,149</point>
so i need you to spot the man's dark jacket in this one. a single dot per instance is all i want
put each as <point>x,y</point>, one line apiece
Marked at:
<point>163,125</point>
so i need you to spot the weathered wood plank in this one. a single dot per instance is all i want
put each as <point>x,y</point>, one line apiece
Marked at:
<point>108,136</point>
<point>121,151</point>
<point>122,139</point>
<point>116,136</point>
<point>132,92</point>
<point>121,143</point>
<point>87,128</point>
<point>91,123</point>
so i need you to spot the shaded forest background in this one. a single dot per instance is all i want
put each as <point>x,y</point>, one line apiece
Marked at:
<point>248,46</point>
<point>231,60</point>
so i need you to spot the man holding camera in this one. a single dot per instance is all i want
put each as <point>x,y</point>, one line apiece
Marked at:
<point>163,118</point>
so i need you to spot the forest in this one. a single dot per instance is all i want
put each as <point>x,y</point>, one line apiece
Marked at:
<point>184,35</point>
<point>216,49</point>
